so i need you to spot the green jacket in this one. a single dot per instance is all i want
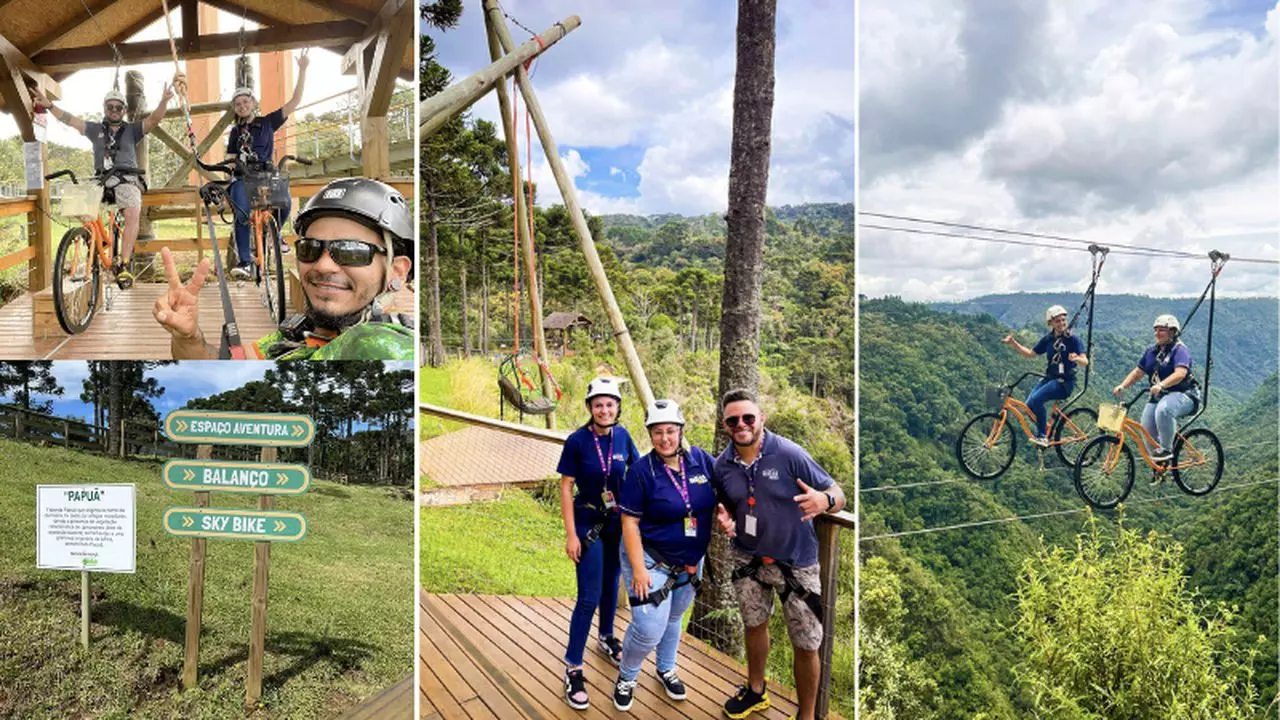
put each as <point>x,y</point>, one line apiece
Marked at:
<point>365,341</point>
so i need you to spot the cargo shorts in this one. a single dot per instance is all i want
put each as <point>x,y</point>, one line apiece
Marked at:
<point>128,193</point>
<point>755,601</point>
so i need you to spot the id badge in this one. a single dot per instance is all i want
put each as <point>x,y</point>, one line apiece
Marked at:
<point>609,502</point>
<point>1062,370</point>
<point>750,526</point>
<point>690,527</point>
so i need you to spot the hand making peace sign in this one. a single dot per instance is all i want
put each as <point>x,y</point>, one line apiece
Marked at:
<point>178,310</point>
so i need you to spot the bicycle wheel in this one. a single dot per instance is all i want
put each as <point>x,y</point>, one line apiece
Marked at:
<point>979,460</point>
<point>1103,477</point>
<point>1202,452</point>
<point>1084,419</point>
<point>77,281</point>
<point>271,281</point>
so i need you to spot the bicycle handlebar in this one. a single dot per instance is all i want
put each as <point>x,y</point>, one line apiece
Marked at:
<point>232,167</point>
<point>62,173</point>
<point>1024,376</point>
<point>295,158</point>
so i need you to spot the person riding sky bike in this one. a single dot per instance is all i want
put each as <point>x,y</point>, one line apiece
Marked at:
<point>252,141</point>
<point>1065,351</point>
<point>354,250</point>
<point>115,146</point>
<point>1174,392</point>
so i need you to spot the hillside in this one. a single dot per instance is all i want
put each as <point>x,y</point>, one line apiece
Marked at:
<point>923,373</point>
<point>1245,338</point>
<point>339,627</point>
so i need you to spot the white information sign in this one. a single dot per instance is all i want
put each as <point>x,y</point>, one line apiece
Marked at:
<point>86,527</point>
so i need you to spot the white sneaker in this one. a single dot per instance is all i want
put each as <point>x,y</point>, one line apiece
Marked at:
<point>1040,441</point>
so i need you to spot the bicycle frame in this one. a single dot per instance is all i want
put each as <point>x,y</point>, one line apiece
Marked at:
<point>1021,411</point>
<point>1133,429</point>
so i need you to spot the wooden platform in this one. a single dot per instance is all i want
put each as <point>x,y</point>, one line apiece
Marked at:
<point>483,457</point>
<point>396,702</point>
<point>500,656</point>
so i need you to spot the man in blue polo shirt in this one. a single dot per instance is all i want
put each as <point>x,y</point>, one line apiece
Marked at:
<point>252,140</point>
<point>771,490</point>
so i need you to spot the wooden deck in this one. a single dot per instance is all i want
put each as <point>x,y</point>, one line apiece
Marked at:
<point>396,702</point>
<point>500,656</point>
<point>478,457</point>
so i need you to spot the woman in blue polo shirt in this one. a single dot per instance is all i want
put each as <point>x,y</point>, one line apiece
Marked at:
<point>667,504</point>
<point>1174,393</point>
<point>1064,352</point>
<point>595,459</point>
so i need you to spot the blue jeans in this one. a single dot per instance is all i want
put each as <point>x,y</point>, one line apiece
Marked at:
<point>240,208</point>
<point>597,588</point>
<point>1040,395</point>
<point>1161,418</point>
<point>655,625</point>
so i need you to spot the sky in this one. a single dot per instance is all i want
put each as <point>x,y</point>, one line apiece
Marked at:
<point>1144,122</point>
<point>83,91</point>
<point>182,382</point>
<point>640,100</point>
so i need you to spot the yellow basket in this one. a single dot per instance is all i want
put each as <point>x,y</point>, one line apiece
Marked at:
<point>1110,417</point>
<point>81,201</point>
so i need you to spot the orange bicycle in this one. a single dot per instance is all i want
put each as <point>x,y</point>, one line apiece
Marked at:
<point>1104,469</point>
<point>86,252</point>
<point>984,448</point>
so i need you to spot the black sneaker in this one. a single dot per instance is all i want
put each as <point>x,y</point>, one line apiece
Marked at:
<point>242,272</point>
<point>675,689</point>
<point>746,702</point>
<point>575,689</point>
<point>611,647</point>
<point>1161,455</point>
<point>622,692</point>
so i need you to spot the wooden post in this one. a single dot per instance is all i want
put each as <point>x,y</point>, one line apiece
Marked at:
<point>496,23</point>
<point>828,527</point>
<point>375,152</point>
<point>258,629</point>
<point>18,432</point>
<point>66,434</point>
<point>439,108</point>
<point>84,609</point>
<point>524,228</point>
<point>195,591</point>
<point>40,234</point>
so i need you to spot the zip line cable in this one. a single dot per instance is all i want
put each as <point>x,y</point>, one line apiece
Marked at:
<point>1128,249</point>
<point>1035,516</point>
<point>1023,243</point>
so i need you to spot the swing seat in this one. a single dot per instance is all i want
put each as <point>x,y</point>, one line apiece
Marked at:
<point>528,406</point>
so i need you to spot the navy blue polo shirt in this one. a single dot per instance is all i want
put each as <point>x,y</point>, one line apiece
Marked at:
<point>1056,348</point>
<point>580,461</point>
<point>261,136</point>
<point>1173,358</point>
<point>649,494</point>
<point>780,534</point>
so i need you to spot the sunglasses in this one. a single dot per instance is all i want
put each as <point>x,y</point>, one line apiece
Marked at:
<point>114,107</point>
<point>348,253</point>
<point>746,420</point>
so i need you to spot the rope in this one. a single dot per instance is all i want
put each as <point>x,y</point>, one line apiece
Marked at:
<point>1043,236</point>
<point>1036,516</point>
<point>115,51</point>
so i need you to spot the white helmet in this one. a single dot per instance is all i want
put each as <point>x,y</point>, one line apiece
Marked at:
<point>1053,312</point>
<point>113,94</point>
<point>242,91</point>
<point>1167,321</point>
<point>605,386</point>
<point>663,411</point>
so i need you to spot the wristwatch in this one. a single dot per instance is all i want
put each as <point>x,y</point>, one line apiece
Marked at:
<point>831,501</point>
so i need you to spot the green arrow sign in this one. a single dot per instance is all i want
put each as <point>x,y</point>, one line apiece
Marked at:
<point>269,525</point>
<point>237,477</point>
<point>237,428</point>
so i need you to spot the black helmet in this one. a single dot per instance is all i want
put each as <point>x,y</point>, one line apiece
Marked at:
<point>368,202</point>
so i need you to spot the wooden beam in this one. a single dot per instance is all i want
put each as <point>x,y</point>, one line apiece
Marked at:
<point>172,143</point>
<point>200,109</point>
<point>18,61</point>
<point>379,74</point>
<point>271,39</point>
<point>345,9</point>
<point>16,258</point>
<point>190,24</point>
<point>17,99</point>
<point>16,206</point>
<point>52,37</point>
<point>234,7</point>
<point>215,133</point>
<point>123,35</point>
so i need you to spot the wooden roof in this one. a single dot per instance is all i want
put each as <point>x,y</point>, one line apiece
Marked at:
<point>564,320</point>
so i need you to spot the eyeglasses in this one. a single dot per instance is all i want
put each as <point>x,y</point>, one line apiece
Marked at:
<point>114,107</point>
<point>348,253</point>
<point>746,420</point>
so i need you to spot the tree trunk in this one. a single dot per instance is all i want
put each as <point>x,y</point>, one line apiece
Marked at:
<point>693,328</point>
<point>484,307</point>
<point>743,273</point>
<point>466,326</point>
<point>435,345</point>
<point>115,407</point>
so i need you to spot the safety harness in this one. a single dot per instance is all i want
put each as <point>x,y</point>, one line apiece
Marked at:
<point>298,330</point>
<point>673,583</point>
<point>791,586</point>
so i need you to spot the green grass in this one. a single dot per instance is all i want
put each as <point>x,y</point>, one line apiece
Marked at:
<point>339,622</point>
<point>513,546</point>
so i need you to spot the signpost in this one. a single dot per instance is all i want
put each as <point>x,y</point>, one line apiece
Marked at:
<point>236,428</point>
<point>237,477</point>
<point>263,526</point>
<point>89,528</point>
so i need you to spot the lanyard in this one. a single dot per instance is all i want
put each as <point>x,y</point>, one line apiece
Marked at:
<point>682,489</point>
<point>751,476</point>
<point>605,466</point>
